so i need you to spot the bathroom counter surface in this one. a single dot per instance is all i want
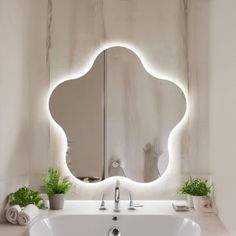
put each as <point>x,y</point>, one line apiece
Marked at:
<point>209,222</point>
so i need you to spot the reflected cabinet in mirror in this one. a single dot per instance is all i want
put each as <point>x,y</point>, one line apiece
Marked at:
<point>117,119</point>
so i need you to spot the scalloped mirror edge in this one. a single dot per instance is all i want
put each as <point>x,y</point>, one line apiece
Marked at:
<point>61,162</point>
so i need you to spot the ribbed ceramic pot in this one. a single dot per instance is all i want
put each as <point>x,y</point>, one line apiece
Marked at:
<point>202,203</point>
<point>56,201</point>
<point>189,200</point>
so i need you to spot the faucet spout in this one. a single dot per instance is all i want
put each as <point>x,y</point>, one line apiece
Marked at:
<point>117,197</point>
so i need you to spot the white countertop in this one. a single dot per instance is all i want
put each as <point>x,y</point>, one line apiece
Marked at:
<point>209,222</point>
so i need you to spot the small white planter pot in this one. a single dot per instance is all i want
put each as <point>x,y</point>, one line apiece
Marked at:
<point>189,200</point>
<point>202,203</point>
<point>56,201</point>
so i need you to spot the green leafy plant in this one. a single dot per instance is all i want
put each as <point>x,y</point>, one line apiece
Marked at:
<point>195,187</point>
<point>55,183</point>
<point>25,196</point>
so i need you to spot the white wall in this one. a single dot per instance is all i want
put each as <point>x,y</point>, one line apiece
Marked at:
<point>222,73</point>
<point>20,70</point>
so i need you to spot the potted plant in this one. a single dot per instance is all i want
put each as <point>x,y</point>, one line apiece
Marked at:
<point>200,194</point>
<point>186,189</point>
<point>199,190</point>
<point>25,196</point>
<point>56,185</point>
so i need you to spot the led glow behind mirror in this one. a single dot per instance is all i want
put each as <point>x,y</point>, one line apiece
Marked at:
<point>117,119</point>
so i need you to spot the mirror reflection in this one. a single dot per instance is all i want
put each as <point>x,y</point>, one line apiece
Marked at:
<point>117,119</point>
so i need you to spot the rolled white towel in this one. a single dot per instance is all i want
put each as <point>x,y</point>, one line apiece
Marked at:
<point>27,214</point>
<point>12,214</point>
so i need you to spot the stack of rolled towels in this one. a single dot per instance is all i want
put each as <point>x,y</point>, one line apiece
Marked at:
<point>16,215</point>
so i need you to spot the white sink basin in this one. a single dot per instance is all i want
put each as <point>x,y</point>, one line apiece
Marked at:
<point>128,225</point>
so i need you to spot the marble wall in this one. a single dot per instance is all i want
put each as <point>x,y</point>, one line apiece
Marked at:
<point>64,36</point>
<point>19,69</point>
<point>158,31</point>
<point>198,86</point>
<point>44,42</point>
<point>222,74</point>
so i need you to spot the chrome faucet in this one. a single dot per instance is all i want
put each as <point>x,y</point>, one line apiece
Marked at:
<point>117,197</point>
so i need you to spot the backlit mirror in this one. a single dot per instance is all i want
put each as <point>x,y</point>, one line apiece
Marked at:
<point>117,119</point>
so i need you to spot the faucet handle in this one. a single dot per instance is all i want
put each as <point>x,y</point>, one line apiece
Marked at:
<point>131,203</point>
<point>102,206</point>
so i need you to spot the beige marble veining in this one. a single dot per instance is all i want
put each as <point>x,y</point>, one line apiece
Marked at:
<point>174,36</point>
<point>156,29</point>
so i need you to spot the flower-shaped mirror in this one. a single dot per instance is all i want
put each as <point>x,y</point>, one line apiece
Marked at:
<point>117,119</point>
